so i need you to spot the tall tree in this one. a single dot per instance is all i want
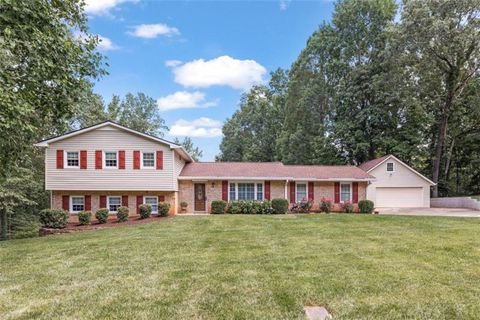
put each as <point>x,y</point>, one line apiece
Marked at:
<point>443,39</point>
<point>187,143</point>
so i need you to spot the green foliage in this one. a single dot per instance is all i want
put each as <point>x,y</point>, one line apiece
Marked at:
<point>365,206</point>
<point>219,206</point>
<point>163,209</point>
<point>347,206</point>
<point>249,207</point>
<point>183,204</point>
<point>122,214</point>
<point>325,205</point>
<point>24,226</point>
<point>303,206</point>
<point>187,143</point>
<point>280,206</point>
<point>84,217</point>
<point>54,218</point>
<point>102,215</point>
<point>145,211</point>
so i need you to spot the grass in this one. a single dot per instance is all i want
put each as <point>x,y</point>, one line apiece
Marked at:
<point>249,267</point>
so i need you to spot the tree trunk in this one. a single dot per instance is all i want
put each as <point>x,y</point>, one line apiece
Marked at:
<point>3,225</point>
<point>442,134</point>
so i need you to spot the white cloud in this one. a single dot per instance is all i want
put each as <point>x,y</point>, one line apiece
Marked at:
<point>99,7</point>
<point>202,128</point>
<point>172,63</point>
<point>106,44</point>
<point>224,70</point>
<point>184,100</point>
<point>284,4</point>
<point>151,31</point>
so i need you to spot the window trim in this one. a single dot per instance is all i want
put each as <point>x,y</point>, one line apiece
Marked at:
<point>296,190</point>
<point>71,204</point>
<point>255,189</point>
<point>105,159</point>
<point>393,167</point>
<point>108,203</point>
<point>65,159</point>
<point>158,202</point>
<point>154,159</point>
<point>351,191</point>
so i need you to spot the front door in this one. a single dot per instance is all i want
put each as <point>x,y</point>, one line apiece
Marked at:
<point>199,197</point>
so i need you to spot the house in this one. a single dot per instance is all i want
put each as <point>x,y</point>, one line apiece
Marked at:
<point>109,165</point>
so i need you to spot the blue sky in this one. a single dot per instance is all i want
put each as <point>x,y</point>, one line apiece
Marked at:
<point>197,58</point>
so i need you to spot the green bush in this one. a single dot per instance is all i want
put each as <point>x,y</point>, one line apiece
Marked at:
<point>122,214</point>
<point>365,206</point>
<point>163,209</point>
<point>218,206</point>
<point>24,226</point>
<point>54,218</point>
<point>145,211</point>
<point>326,205</point>
<point>249,207</point>
<point>183,204</point>
<point>304,206</point>
<point>84,217</point>
<point>347,207</point>
<point>102,215</point>
<point>280,206</point>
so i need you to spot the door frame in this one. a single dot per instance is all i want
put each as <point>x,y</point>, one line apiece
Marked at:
<point>204,196</point>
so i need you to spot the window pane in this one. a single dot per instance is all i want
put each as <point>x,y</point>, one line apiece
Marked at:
<point>153,201</point>
<point>301,191</point>
<point>246,191</point>
<point>110,159</point>
<point>114,203</point>
<point>148,159</point>
<point>345,192</point>
<point>390,166</point>
<point>77,204</point>
<point>232,191</point>
<point>259,191</point>
<point>72,159</point>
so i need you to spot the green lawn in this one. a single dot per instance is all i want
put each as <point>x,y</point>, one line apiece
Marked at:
<point>249,267</point>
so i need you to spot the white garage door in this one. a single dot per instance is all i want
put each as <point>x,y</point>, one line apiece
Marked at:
<point>399,197</point>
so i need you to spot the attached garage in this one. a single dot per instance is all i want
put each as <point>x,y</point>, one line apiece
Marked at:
<point>400,197</point>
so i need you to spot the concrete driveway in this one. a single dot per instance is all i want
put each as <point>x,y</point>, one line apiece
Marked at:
<point>441,212</point>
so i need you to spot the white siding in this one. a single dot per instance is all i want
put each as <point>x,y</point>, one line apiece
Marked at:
<point>111,139</point>
<point>403,177</point>
<point>179,163</point>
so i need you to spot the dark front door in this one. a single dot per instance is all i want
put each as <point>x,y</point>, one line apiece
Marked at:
<point>199,197</point>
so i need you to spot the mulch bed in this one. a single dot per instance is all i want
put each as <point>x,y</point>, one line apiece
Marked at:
<point>111,223</point>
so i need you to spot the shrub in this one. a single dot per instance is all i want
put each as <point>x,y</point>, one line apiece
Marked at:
<point>218,206</point>
<point>145,211</point>
<point>122,214</point>
<point>365,206</point>
<point>280,206</point>
<point>163,209</point>
<point>347,207</point>
<point>102,215</point>
<point>24,226</point>
<point>84,217</point>
<point>183,204</point>
<point>54,218</point>
<point>305,206</point>
<point>234,207</point>
<point>326,205</point>
<point>249,207</point>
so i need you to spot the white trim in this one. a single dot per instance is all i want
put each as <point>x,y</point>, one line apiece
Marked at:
<point>406,165</point>
<point>351,192</point>
<point>255,185</point>
<point>70,207</point>
<point>296,190</point>
<point>108,203</point>
<point>158,202</point>
<point>65,159</point>
<point>393,166</point>
<point>240,179</point>
<point>154,159</point>
<point>105,159</point>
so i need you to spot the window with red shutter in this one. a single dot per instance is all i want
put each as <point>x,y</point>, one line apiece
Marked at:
<point>121,159</point>
<point>311,191</point>
<point>139,203</point>
<point>88,202</point>
<point>125,201</point>
<point>159,160</point>
<point>355,192</point>
<point>98,160</point>
<point>225,190</point>
<point>292,192</point>
<point>66,203</point>
<point>103,201</point>
<point>267,190</point>
<point>161,198</point>
<point>83,159</point>
<point>136,159</point>
<point>337,192</point>
<point>59,159</point>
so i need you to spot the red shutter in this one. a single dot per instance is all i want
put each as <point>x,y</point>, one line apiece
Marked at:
<point>292,192</point>
<point>160,160</point>
<point>83,159</point>
<point>103,201</point>
<point>139,203</point>
<point>267,190</point>
<point>355,192</point>
<point>125,201</point>
<point>98,160</point>
<point>121,159</point>
<point>161,198</point>
<point>337,192</point>
<point>225,190</point>
<point>136,159</point>
<point>66,203</point>
<point>59,159</point>
<point>310,191</point>
<point>88,202</point>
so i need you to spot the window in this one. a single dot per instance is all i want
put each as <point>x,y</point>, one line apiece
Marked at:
<point>114,203</point>
<point>345,192</point>
<point>245,191</point>
<point>153,201</point>
<point>77,204</point>
<point>148,159</point>
<point>390,167</point>
<point>110,159</point>
<point>301,191</point>
<point>72,159</point>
